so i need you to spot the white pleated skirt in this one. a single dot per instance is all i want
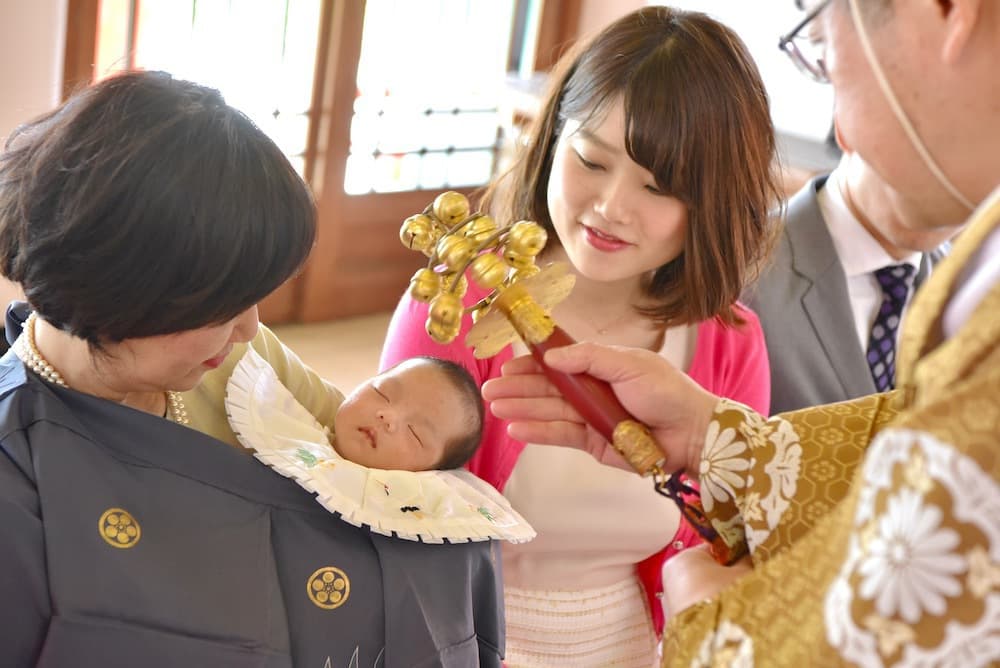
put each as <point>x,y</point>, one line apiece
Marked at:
<point>608,626</point>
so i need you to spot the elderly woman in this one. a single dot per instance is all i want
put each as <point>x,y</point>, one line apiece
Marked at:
<point>144,219</point>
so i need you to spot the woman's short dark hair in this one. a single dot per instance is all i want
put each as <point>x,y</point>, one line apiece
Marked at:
<point>697,117</point>
<point>145,205</point>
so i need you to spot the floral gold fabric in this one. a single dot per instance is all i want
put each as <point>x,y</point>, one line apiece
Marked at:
<point>874,524</point>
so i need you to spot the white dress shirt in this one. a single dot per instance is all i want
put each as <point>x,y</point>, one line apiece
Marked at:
<point>860,255</point>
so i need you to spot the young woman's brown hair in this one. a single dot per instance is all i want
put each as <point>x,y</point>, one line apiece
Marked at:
<point>697,117</point>
<point>650,166</point>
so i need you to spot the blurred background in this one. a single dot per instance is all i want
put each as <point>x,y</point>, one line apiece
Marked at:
<point>380,105</point>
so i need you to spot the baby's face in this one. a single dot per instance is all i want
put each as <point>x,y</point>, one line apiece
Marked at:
<point>401,419</point>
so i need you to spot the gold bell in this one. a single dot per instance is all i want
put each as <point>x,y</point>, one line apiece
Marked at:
<point>425,285</point>
<point>446,309</point>
<point>455,251</point>
<point>480,228</point>
<point>441,333</point>
<point>517,260</point>
<point>526,238</point>
<point>416,232</point>
<point>488,270</point>
<point>451,207</point>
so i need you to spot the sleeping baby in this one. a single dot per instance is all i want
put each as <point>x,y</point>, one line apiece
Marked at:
<point>392,458</point>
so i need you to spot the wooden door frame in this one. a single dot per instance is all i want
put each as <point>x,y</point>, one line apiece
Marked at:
<point>558,28</point>
<point>357,265</point>
<point>81,44</point>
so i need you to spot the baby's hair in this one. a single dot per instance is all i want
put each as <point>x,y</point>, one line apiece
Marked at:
<point>460,450</point>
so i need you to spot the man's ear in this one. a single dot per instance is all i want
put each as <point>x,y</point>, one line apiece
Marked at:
<point>960,18</point>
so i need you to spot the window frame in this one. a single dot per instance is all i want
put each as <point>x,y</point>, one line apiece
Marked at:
<point>357,266</point>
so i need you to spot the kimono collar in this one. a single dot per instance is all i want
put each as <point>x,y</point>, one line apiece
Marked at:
<point>926,360</point>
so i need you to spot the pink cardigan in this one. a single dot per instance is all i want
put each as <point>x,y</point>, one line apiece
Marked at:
<point>728,361</point>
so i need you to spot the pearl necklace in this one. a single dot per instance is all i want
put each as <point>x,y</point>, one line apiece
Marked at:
<point>27,350</point>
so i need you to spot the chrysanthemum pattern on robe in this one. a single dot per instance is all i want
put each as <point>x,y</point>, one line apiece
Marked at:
<point>908,561</point>
<point>726,471</point>
<point>728,647</point>
<point>722,465</point>
<point>911,564</point>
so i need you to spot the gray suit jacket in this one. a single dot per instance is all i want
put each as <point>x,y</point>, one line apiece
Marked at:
<point>806,315</point>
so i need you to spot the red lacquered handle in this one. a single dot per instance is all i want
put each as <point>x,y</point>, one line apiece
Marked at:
<point>597,404</point>
<point>592,398</point>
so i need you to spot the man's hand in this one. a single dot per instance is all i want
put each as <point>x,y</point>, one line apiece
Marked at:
<point>693,576</point>
<point>675,408</point>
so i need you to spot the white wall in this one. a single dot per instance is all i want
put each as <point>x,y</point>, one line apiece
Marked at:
<point>801,109</point>
<point>798,105</point>
<point>32,36</point>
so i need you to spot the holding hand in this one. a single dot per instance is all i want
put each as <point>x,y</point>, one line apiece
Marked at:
<point>694,575</point>
<point>675,408</point>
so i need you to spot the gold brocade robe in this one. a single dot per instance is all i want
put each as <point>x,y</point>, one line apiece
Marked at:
<point>873,524</point>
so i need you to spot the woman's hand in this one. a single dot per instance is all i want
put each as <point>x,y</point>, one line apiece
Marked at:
<point>675,408</point>
<point>693,576</point>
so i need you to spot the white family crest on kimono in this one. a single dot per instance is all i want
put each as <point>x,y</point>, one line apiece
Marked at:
<point>430,506</point>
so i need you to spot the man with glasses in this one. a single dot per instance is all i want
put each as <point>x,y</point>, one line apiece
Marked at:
<point>844,272</point>
<point>873,525</point>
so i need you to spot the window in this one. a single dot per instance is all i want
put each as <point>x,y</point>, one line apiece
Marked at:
<point>380,104</point>
<point>261,54</point>
<point>428,90</point>
<point>802,110</point>
<point>426,113</point>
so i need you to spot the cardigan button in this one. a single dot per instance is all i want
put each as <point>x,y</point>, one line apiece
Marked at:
<point>678,545</point>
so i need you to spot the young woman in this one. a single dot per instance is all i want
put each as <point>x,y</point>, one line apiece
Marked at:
<point>650,165</point>
<point>144,219</point>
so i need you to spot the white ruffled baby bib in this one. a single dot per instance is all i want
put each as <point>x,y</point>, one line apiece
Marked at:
<point>431,506</point>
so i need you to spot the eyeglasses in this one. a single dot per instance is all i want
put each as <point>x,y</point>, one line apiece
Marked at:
<point>805,52</point>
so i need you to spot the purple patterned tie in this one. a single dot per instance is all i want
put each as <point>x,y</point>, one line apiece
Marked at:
<point>895,282</point>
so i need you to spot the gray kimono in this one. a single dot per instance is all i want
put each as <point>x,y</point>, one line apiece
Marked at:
<point>128,540</point>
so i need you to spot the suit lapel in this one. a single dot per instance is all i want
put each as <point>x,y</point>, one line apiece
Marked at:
<point>824,295</point>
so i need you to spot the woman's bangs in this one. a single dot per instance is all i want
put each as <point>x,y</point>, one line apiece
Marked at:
<point>657,135</point>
